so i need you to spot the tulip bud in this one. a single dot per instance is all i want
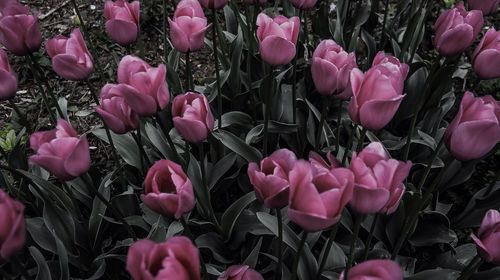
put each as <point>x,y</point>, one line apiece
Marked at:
<point>192,116</point>
<point>70,57</point>
<point>240,272</point>
<point>456,29</point>
<point>277,38</point>
<point>114,110</point>
<point>188,26</point>
<point>486,6</point>
<point>486,57</point>
<point>61,151</point>
<point>303,4</point>
<point>122,21</point>
<point>19,31</point>
<point>8,80</point>
<point>375,270</point>
<point>12,226</point>
<point>213,4</point>
<point>487,237</point>
<point>475,130</point>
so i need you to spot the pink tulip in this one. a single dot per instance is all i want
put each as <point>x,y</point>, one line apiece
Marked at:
<point>486,57</point>
<point>213,4</point>
<point>331,68</point>
<point>318,162</point>
<point>122,21</point>
<point>377,93</point>
<point>116,113</point>
<point>176,258</point>
<point>303,4</point>
<point>167,189</point>
<point>270,180</point>
<point>19,31</point>
<point>456,29</point>
<point>475,130</point>
<point>151,91</point>
<point>486,6</point>
<point>192,116</point>
<point>488,237</point>
<point>240,272</point>
<point>12,226</point>
<point>70,57</point>
<point>378,180</point>
<point>375,270</point>
<point>277,38</point>
<point>61,151</point>
<point>8,79</point>
<point>318,196</point>
<point>188,26</point>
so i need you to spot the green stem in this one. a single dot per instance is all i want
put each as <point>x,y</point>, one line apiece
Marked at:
<point>326,251</point>
<point>216,62</point>
<point>352,246</point>
<point>339,126</point>
<point>361,140</point>
<point>473,265</point>
<point>348,147</point>
<point>205,185</point>
<point>298,255</point>
<point>370,236</point>
<point>267,116</point>
<point>280,243</point>
<point>142,153</point>
<point>165,28</point>
<point>189,75</point>
<point>294,90</point>
<point>384,23</point>
<point>429,164</point>
<point>306,29</point>
<point>167,136</point>
<point>324,112</point>
<point>45,98</point>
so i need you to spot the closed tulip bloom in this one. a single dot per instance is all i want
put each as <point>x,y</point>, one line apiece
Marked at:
<point>188,26</point>
<point>486,57</point>
<point>213,4</point>
<point>151,91</point>
<point>168,190</point>
<point>122,21</point>
<point>456,29</point>
<point>270,179</point>
<point>375,270</point>
<point>8,80</point>
<point>488,237</point>
<point>115,111</point>
<point>303,4</point>
<point>70,57</point>
<point>277,37</point>
<point>377,93</point>
<point>486,6</point>
<point>318,196</point>
<point>331,68</point>
<point>19,31</point>
<point>240,272</point>
<point>379,180</point>
<point>176,258</point>
<point>61,151</point>
<point>475,130</point>
<point>192,116</point>
<point>12,226</point>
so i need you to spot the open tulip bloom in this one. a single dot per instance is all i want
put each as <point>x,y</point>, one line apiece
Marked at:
<point>122,20</point>
<point>188,26</point>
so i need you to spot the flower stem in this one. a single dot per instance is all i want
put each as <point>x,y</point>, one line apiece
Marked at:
<point>189,75</point>
<point>280,243</point>
<point>352,246</point>
<point>169,139</point>
<point>361,139</point>
<point>267,114</point>
<point>326,251</point>
<point>165,27</point>
<point>216,63</point>
<point>339,126</point>
<point>142,153</point>
<point>205,185</point>
<point>370,236</point>
<point>384,23</point>
<point>324,112</point>
<point>298,255</point>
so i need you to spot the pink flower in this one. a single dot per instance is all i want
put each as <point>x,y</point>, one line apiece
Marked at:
<point>213,4</point>
<point>331,68</point>
<point>114,110</point>
<point>475,130</point>
<point>167,189</point>
<point>318,162</point>
<point>12,226</point>
<point>270,180</point>
<point>303,4</point>
<point>8,79</point>
<point>70,57</point>
<point>456,29</point>
<point>318,196</point>
<point>486,6</point>
<point>488,237</point>
<point>240,272</point>
<point>188,26</point>
<point>378,180</point>
<point>61,151</point>
<point>375,270</point>
<point>176,258</point>
<point>486,57</point>
<point>192,116</point>
<point>151,91</point>
<point>377,93</point>
<point>277,38</point>
<point>122,21</point>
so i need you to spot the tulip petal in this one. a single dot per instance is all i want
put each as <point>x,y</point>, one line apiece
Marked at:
<point>8,85</point>
<point>375,114</point>
<point>122,32</point>
<point>484,64</point>
<point>474,139</point>
<point>78,161</point>
<point>367,200</point>
<point>456,40</point>
<point>277,51</point>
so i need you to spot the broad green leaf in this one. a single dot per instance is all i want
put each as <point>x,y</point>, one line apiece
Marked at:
<point>231,215</point>
<point>238,146</point>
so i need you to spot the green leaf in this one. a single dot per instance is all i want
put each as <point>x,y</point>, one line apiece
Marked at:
<point>231,215</point>
<point>220,168</point>
<point>435,274</point>
<point>234,75</point>
<point>43,272</point>
<point>159,141</point>
<point>98,210</point>
<point>253,257</point>
<point>125,145</point>
<point>238,146</point>
<point>235,118</point>
<point>63,258</point>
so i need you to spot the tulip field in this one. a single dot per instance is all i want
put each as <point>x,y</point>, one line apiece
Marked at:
<point>250,139</point>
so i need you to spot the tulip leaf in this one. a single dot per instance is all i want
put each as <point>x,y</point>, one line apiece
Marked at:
<point>125,145</point>
<point>43,272</point>
<point>435,274</point>
<point>238,146</point>
<point>252,258</point>
<point>232,213</point>
<point>98,210</point>
<point>220,168</point>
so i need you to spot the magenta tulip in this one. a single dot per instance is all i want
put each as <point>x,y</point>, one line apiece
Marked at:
<point>277,38</point>
<point>379,180</point>
<point>375,270</point>
<point>192,116</point>
<point>61,151</point>
<point>475,130</point>
<point>331,67</point>
<point>70,57</point>
<point>377,93</point>
<point>122,21</point>
<point>270,180</point>
<point>213,4</point>
<point>8,80</point>
<point>240,272</point>
<point>115,112</point>
<point>486,57</point>
<point>486,6</point>
<point>19,31</point>
<point>188,26</point>
<point>456,29</point>
<point>318,196</point>
<point>488,237</point>
<point>303,4</point>
<point>176,258</point>
<point>151,91</point>
<point>168,190</point>
<point>12,226</point>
